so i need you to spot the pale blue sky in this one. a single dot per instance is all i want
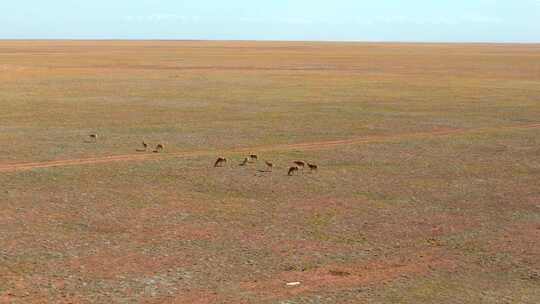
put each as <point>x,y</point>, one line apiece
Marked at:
<point>374,20</point>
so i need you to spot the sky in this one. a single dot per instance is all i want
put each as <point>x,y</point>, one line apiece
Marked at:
<point>334,20</point>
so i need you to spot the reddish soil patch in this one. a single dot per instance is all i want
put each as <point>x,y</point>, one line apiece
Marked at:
<point>520,240</point>
<point>109,265</point>
<point>194,297</point>
<point>341,277</point>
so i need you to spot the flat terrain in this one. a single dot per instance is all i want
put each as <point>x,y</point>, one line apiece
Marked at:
<point>428,189</point>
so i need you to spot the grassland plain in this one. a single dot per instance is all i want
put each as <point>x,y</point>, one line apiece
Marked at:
<point>428,189</point>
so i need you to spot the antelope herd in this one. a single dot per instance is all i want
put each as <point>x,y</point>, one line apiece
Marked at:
<point>221,161</point>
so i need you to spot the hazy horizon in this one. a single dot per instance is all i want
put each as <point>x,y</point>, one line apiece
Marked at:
<point>422,21</point>
<point>269,40</point>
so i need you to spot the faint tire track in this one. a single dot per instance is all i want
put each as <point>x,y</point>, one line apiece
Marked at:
<point>279,147</point>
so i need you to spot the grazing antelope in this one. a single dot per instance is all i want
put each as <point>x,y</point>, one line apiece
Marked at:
<point>292,170</point>
<point>312,167</point>
<point>159,148</point>
<point>220,161</point>
<point>253,157</point>
<point>244,162</point>
<point>300,164</point>
<point>269,165</point>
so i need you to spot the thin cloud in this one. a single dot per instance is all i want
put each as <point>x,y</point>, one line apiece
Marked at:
<point>436,20</point>
<point>156,18</point>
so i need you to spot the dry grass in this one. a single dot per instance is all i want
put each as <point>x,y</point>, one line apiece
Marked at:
<point>400,218</point>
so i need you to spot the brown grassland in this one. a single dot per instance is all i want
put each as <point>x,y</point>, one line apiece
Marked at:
<point>428,188</point>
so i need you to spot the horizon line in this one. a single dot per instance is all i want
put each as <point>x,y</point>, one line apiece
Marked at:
<point>273,40</point>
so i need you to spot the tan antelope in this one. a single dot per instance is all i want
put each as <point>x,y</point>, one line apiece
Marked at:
<point>145,145</point>
<point>312,167</point>
<point>300,164</point>
<point>244,162</point>
<point>220,161</point>
<point>253,157</point>
<point>269,165</point>
<point>93,137</point>
<point>159,148</point>
<point>292,170</point>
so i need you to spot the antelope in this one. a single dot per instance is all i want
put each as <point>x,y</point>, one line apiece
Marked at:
<point>244,162</point>
<point>292,170</point>
<point>159,148</point>
<point>269,165</point>
<point>253,157</point>
<point>312,167</point>
<point>93,136</point>
<point>220,161</point>
<point>145,145</point>
<point>300,164</point>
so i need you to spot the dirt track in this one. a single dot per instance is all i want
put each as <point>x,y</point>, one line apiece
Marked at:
<point>285,147</point>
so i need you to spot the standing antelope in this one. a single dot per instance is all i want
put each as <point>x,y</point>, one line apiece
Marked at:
<point>145,145</point>
<point>220,161</point>
<point>159,148</point>
<point>300,164</point>
<point>93,137</point>
<point>253,157</point>
<point>244,162</point>
<point>292,170</point>
<point>269,165</point>
<point>312,167</point>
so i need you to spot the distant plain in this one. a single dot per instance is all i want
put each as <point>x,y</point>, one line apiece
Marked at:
<point>428,188</point>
